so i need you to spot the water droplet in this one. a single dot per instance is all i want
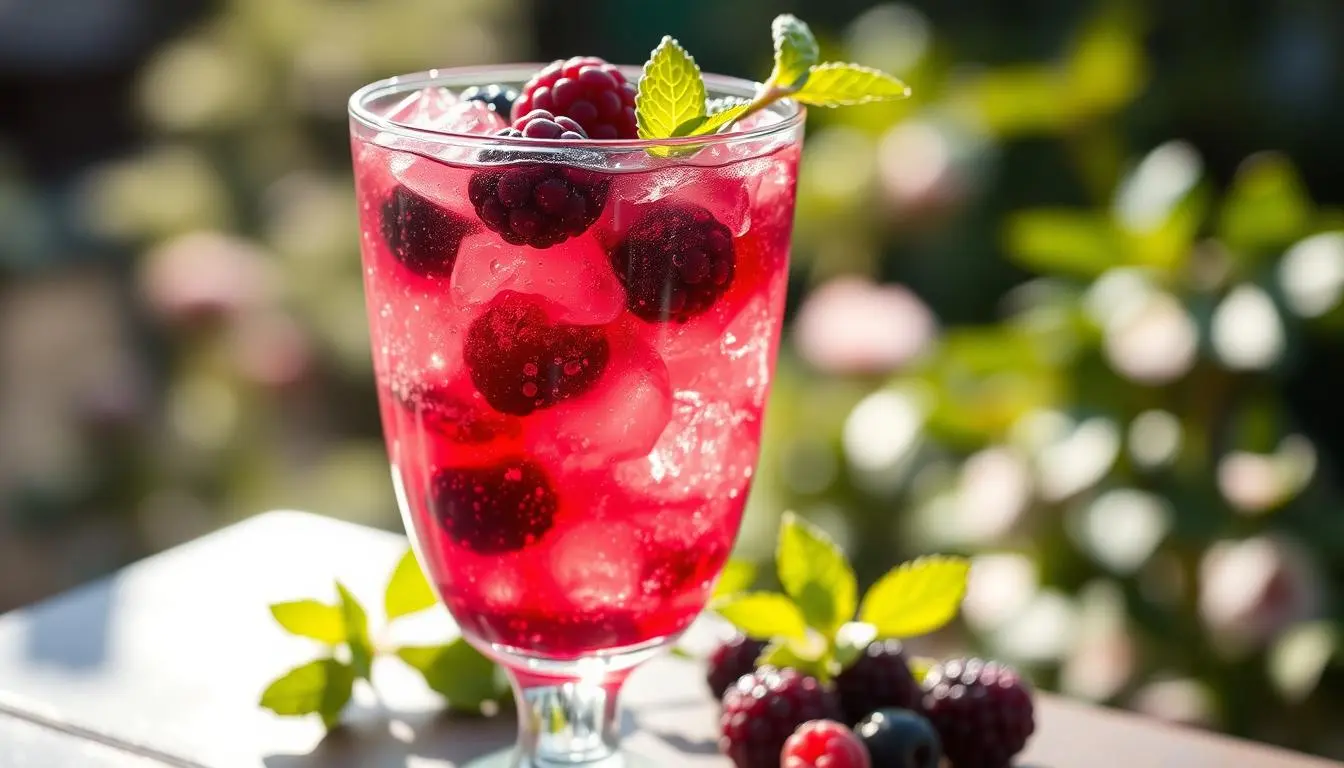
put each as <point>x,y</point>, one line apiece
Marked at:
<point>529,389</point>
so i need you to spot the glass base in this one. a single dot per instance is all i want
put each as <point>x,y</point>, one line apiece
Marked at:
<point>568,709</point>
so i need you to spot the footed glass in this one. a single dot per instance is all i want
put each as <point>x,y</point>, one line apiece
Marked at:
<point>573,344</point>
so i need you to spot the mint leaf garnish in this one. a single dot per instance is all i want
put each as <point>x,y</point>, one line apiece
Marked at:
<point>815,573</point>
<point>795,51</point>
<point>458,672</point>
<point>312,619</point>
<point>836,84</point>
<point>356,632</point>
<point>917,597</point>
<point>806,657</point>
<point>408,590</point>
<point>737,576</point>
<point>763,615</point>
<point>671,91</point>
<point>320,687</point>
<point>703,125</point>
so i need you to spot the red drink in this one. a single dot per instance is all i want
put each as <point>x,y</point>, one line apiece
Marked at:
<point>573,424</point>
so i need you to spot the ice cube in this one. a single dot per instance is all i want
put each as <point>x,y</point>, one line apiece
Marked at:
<point>622,418</point>
<point>736,366</point>
<point>575,275</point>
<point>596,564</point>
<point>726,193</point>
<point>443,184</point>
<point>708,451</point>
<point>423,108</point>
<point>468,117</point>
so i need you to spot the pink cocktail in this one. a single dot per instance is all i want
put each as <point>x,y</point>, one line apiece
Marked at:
<point>573,344</point>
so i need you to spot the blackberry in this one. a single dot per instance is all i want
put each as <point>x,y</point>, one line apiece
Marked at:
<point>824,744</point>
<point>761,711</point>
<point>900,738</point>
<point>981,709</point>
<point>421,235</point>
<point>675,262</point>
<point>732,660</point>
<point>499,98</point>
<point>879,678</point>
<point>588,90</point>
<point>520,362</point>
<point>495,509</point>
<point>538,203</point>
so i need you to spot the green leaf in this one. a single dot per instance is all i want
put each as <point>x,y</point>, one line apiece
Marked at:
<point>1054,242</point>
<point>459,673</point>
<point>320,687</point>
<point>763,615</point>
<point>310,618</point>
<point>737,576</point>
<point>851,640</point>
<point>815,573</point>
<point>1267,207</point>
<point>703,125</point>
<point>408,590</point>
<point>836,84</point>
<point>671,91</point>
<point>804,656</point>
<point>917,597</point>
<point>356,632</point>
<point>795,51</point>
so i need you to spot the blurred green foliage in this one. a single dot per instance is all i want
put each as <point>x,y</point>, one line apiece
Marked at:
<point>1124,412</point>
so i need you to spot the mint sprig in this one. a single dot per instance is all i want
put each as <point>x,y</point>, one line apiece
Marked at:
<point>471,683</point>
<point>670,101</point>
<point>813,626</point>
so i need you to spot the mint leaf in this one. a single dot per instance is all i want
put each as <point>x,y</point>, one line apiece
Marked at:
<point>815,573</point>
<point>763,615</point>
<point>313,619</point>
<point>703,125</point>
<point>836,84</point>
<point>356,632</point>
<point>459,673</point>
<point>809,658</point>
<point>320,687</point>
<point>917,597</point>
<point>736,577</point>
<point>407,591</point>
<point>795,51</point>
<point>671,91</point>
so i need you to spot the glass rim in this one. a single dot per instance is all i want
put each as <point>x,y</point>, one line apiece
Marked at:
<point>793,116</point>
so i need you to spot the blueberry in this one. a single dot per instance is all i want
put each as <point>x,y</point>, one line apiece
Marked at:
<point>900,738</point>
<point>499,98</point>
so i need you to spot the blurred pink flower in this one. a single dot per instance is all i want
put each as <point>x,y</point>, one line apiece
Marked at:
<point>1251,590</point>
<point>271,349</point>
<point>205,276</point>
<point>852,326</point>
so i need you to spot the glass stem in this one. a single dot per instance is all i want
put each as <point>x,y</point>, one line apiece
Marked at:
<point>567,721</point>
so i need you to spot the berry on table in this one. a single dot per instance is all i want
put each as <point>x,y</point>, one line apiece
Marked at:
<point>732,660</point>
<point>540,202</point>
<point>981,709</point>
<point>900,738</point>
<point>586,89</point>
<point>421,235</point>
<point>499,98</point>
<point>675,262</point>
<point>761,710</point>
<point>824,744</point>
<point>879,678</point>
<point>520,361</point>
<point>495,509</point>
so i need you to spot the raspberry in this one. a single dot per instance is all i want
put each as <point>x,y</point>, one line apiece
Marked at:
<point>421,235</point>
<point>824,744</point>
<point>496,509</point>
<point>900,737</point>
<point>877,679</point>
<point>761,711</point>
<point>445,413</point>
<point>520,362</point>
<point>732,660</point>
<point>982,711</point>
<point>499,98</point>
<point>538,203</point>
<point>588,90</point>
<point>675,262</point>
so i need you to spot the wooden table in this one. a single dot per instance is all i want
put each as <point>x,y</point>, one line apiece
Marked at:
<point>162,664</point>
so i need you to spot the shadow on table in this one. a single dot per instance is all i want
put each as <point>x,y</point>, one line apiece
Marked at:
<point>71,631</point>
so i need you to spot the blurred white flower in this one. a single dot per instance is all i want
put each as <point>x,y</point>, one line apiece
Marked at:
<point>1312,274</point>
<point>1247,333</point>
<point>1000,587</point>
<point>991,494</point>
<point>1251,590</point>
<point>1254,483</point>
<point>882,431</point>
<point>1180,701</point>
<point>1042,631</point>
<point>850,325</point>
<point>1076,461</point>
<point>1154,438</point>
<point>1121,528</point>
<point>1153,343</point>
<point>1161,180</point>
<point>890,36</point>
<point>1103,657</point>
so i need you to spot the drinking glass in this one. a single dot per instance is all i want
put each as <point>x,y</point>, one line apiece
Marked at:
<point>573,343</point>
